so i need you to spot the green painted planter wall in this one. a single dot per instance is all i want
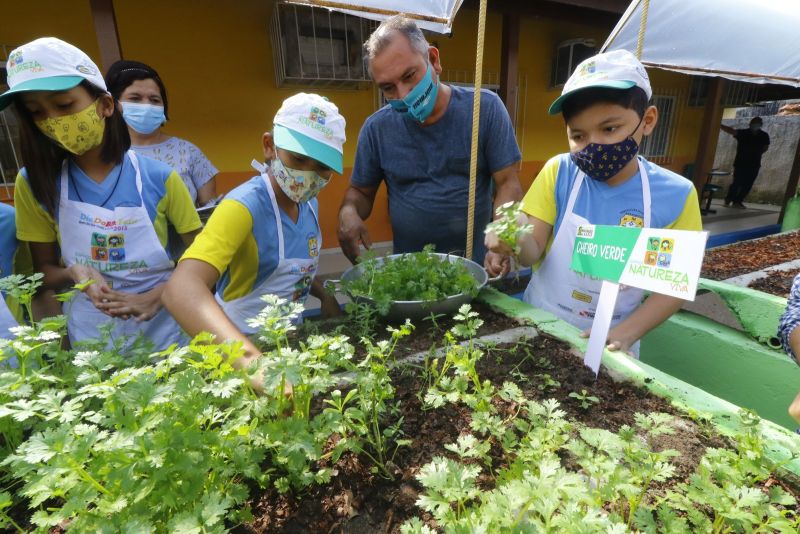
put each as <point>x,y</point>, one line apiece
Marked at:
<point>726,363</point>
<point>783,446</point>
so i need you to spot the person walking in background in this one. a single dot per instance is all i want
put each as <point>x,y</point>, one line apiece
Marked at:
<point>751,143</point>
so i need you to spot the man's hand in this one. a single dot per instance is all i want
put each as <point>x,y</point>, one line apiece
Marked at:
<point>496,264</point>
<point>352,232</point>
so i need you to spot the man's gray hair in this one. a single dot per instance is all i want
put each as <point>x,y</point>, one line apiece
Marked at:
<point>388,30</point>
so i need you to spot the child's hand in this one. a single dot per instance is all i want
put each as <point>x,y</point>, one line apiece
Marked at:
<point>616,341</point>
<point>494,244</point>
<point>794,408</point>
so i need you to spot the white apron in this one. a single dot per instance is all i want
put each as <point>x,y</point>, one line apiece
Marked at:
<point>290,280</point>
<point>123,246</point>
<point>7,319</point>
<point>571,296</point>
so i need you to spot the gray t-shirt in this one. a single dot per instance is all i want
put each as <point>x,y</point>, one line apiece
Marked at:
<point>426,170</point>
<point>192,165</point>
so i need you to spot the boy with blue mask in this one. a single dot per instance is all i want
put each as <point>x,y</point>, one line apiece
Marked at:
<point>419,145</point>
<point>601,181</point>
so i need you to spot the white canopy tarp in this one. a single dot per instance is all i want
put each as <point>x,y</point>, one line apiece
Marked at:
<point>755,41</point>
<point>433,15</point>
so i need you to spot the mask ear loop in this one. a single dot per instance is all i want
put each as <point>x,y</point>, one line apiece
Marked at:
<point>641,119</point>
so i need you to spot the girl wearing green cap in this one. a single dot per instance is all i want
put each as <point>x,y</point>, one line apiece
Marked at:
<point>92,211</point>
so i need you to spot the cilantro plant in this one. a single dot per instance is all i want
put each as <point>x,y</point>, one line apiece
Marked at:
<point>584,399</point>
<point>507,227</point>
<point>413,276</point>
<point>369,412</point>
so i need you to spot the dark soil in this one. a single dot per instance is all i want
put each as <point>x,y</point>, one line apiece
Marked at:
<point>748,256</point>
<point>358,501</point>
<point>776,282</point>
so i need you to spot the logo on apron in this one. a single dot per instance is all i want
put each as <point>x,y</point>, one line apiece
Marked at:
<point>313,245</point>
<point>106,247</point>
<point>301,288</point>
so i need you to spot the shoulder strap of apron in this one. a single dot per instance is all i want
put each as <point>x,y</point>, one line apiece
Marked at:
<point>276,211</point>
<point>645,193</point>
<point>646,199</point>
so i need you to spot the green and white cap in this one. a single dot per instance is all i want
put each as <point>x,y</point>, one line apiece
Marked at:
<point>311,125</point>
<point>48,64</point>
<point>618,69</point>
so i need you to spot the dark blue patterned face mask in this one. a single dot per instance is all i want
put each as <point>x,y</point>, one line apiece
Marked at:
<point>602,162</point>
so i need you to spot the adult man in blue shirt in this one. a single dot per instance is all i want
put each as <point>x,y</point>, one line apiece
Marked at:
<point>419,145</point>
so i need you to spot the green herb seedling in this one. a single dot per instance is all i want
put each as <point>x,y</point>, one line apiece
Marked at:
<point>507,226</point>
<point>585,399</point>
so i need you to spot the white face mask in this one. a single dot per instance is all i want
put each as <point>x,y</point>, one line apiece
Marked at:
<point>299,186</point>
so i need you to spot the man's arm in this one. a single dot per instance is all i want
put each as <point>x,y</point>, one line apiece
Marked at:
<point>356,207</point>
<point>507,189</point>
<point>728,129</point>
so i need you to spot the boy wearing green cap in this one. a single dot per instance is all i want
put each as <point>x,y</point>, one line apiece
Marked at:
<point>605,104</point>
<point>264,237</point>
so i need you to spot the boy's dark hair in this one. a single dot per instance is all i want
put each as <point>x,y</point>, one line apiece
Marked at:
<point>123,73</point>
<point>43,158</point>
<point>634,98</point>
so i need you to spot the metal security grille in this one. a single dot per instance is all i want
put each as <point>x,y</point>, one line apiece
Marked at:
<point>317,46</point>
<point>568,55</point>
<point>657,146</point>
<point>736,93</point>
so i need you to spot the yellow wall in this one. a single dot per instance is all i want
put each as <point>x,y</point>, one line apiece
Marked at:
<point>216,61</point>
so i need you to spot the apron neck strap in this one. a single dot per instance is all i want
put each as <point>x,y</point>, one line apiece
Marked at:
<point>277,211</point>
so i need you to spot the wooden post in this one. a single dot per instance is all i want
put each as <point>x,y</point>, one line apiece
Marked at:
<point>794,178</point>
<point>709,134</point>
<point>105,27</point>
<point>509,71</point>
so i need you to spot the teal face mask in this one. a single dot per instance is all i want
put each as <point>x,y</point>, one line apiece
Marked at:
<point>418,103</point>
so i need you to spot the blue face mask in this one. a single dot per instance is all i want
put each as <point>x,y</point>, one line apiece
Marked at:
<point>602,162</point>
<point>418,103</point>
<point>144,118</point>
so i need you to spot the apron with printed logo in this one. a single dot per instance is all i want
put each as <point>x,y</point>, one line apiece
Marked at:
<point>291,279</point>
<point>571,296</point>
<point>7,319</point>
<point>122,245</point>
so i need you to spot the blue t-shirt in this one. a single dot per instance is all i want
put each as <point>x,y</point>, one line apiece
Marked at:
<point>622,205</point>
<point>426,169</point>
<point>254,196</point>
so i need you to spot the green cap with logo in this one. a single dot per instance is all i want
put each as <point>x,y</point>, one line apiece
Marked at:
<point>618,69</point>
<point>311,125</point>
<point>48,64</point>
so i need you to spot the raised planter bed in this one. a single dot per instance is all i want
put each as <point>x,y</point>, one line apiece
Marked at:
<point>228,446</point>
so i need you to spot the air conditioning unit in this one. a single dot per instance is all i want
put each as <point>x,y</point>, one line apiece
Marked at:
<point>316,46</point>
<point>568,55</point>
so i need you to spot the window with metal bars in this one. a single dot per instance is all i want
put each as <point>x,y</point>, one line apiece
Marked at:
<point>656,146</point>
<point>317,46</point>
